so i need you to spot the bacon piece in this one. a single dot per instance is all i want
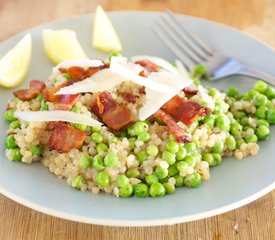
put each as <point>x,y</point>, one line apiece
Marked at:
<point>141,90</point>
<point>112,114</point>
<point>148,65</point>
<point>174,129</point>
<point>36,87</point>
<point>129,97</point>
<point>79,73</point>
<point>189,92</point>
<point>65,137</point>
<point>185,111</point>
<point>67,101</point>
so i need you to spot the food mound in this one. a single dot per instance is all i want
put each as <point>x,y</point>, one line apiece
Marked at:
<point>142,127</point>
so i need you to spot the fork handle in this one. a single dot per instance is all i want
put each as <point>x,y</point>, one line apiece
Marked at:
<point>258,74</point>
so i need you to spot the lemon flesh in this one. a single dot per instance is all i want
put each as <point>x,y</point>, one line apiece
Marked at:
<point>105,37</point>
<point>61,45</point>
<point>14,65</point>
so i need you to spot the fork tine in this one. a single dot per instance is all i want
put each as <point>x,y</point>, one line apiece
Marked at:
<point>184,38</point>
<point>191,35</point>
<point>177,42</point>
<point>170,44</point>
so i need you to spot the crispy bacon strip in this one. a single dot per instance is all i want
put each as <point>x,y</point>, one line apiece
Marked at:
<point>79,73</point>
<point>185,111</point>
<point>129,97</point>
<point>36,87</point>
<point>189,92</point>
<point>174,129</point>
<point>148,65</point>
<point>64,137</point>
<point>112,114</point>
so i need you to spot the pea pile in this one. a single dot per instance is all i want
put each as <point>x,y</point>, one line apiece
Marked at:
<point>154,164</point>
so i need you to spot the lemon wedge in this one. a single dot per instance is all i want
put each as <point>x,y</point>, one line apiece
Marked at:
<point>61,45</point>
<point>105,37</point>
<point>14,65</point>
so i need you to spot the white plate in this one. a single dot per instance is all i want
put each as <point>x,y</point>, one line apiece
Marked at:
<point>232,184</point>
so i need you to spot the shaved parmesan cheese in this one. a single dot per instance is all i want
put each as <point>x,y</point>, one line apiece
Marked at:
<point>121,67</point>
<point>155,99</point>
<point>56,115</point>
<point>103,80</point>
<point>156,60</point>
<point>205,97</point>
<point>80,63</point>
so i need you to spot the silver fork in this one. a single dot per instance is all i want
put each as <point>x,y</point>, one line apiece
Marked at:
<point>191,50</point>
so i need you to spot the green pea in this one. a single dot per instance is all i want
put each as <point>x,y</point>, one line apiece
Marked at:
<point>14,125</point>
<point>270,93</point>
<point>199,71</point>
<point>141,190</point>
<point>114,140</point>
<point>101,147</point>
<point>161,172</point>
<point>213,92</point>
<point>140,127</point>
<point>262,132</point>
<point>157,190</point>
<point>15,100</point>
<point>169,157</point>
<point>97,163</point>
<point>114,54</point>
<point>232,92</point>
<point>75,109</point>
<point>144,137</point>
<point>9,115</point>
<point>85,161</point>
<point>208,157</point>
<point>181,154</point>
<point>190,160</point>
<point>271,115</point>
<point>230,142</point>
<point>192,180</point>
<point>169,188</point>
<point>142,156</point>
<point>239,114</point>
<point>78,182</point>
<point>182,166</point>
<point>172,146</point>
<point>150,179</point>
<point>260,86</point>
<point>244,121</point>
<point>173,170</point>
<point>222,122</point>
<point>236,129</point>
<point>10,142</point>
<point>190,147</point>
<point>111,159</point>
<point>217,158</point>
<point>122,181</point>
<point>103,179</point>
<point>252,138</point>
<point>36,150</point>
<point>97,137</point>
<point>16,155</point>
<point>209,120</point>
<point>219,107</point>
<point>218,147</point>
<point>260,100</point>
<point>261,112</point>
<point>80,126</point>
<point>96,128</point>
<point>262,122</point>
<point>251,93</point>
<point>126,191</point>
<point>133,173</point>
<point>179,181</point>
<point>152,150</point>
<point>39,98</point>
<point>67,76</point>
<point>43,105</point>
